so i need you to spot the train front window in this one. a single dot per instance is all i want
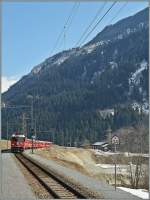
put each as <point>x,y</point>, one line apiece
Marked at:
<point>18,139</point>
<point>14,139</point>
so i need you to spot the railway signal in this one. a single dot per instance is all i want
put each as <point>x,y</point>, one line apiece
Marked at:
<point>33,139</point>
<point>115,141</point>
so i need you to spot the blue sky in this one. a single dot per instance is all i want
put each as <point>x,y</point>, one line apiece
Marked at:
<point>29,30</point>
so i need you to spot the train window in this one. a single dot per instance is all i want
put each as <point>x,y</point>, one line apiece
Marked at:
<point>18,139</point>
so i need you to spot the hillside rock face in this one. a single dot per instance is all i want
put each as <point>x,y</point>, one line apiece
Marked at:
<point>109,70</point>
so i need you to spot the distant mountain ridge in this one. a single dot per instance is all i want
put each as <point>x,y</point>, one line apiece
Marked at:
<point>112,69</point>
<point>124,26</point>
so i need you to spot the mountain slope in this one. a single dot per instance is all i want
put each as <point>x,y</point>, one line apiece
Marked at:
<point>71,86</point>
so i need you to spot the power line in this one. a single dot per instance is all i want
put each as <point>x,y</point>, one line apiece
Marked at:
<point>69,19</point>
<point>60,34</point>
<point>73,16</point>
<point>121,8</point>
<point>93,20</point>
<point>71,13</point>
<point>98,22</point>
<point>64,37</point>
<point>66,28</point>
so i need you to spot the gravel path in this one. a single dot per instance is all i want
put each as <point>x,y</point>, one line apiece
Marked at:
<point>100,187</point>
<point>13,185</point>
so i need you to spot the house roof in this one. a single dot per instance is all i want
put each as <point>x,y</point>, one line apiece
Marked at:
<point>105,145</point>
<point>98,143</point>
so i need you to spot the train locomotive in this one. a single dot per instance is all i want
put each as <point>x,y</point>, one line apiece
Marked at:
<point>19,143</point>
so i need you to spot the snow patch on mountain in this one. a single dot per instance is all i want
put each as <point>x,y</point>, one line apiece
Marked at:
<point>92,47</point>
<point>120,37</point>
<point>141,25</point>
<point>106,112</point>
<point>37,69</point>
<point>128,31</point>
<point>84,72</point>
<point>61,60</point>
<point>144,107</point>
<point>113,64</point>
<point>136,76</point>
<point>95,76</point>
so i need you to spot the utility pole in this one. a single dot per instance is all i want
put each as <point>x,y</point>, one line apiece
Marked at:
<point>7,134</point>
<point>109,135</point>
<point>115,168</point>
<point>24,125</point>
<point>32,113</point>
<point>53,136</point>
<point>14,107</point>
<point>62,138</point>
<point>70,141</point>
<point>115,142</point>
<point>32,144</point>
<point>35,133</point>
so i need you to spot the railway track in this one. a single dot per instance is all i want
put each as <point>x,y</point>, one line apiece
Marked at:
<point>56,187</point>
<point>5,150</point>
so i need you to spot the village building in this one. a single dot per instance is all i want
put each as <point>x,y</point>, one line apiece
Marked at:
<point>103,146</point>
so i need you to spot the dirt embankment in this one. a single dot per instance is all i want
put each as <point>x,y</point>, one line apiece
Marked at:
<point>86,161</point>
<point>75,158</point>
<point>4,144</point>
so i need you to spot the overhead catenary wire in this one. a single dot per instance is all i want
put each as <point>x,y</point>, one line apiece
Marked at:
<point>93,20</point>
<point>88,34</point>
<point>67,24</point>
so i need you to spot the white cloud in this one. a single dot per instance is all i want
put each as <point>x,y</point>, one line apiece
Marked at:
<point>7,82</point>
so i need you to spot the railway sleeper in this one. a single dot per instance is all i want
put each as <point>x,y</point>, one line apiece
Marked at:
<point>78,194</point>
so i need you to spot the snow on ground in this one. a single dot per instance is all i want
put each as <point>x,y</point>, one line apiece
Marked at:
<point>106,166</point>
<point>107,153</point>
<point>99,152</point>
<point>109,168</point>
<point>141,193</point>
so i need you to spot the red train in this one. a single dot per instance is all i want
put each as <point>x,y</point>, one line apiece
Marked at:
<point>19,143</point>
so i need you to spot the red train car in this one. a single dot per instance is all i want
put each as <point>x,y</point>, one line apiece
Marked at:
<point>19,143</point>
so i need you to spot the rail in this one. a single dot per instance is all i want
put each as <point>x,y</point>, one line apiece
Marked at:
<point>51,182</point>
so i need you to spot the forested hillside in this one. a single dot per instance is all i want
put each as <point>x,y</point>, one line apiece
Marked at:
<point>79,93</point>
